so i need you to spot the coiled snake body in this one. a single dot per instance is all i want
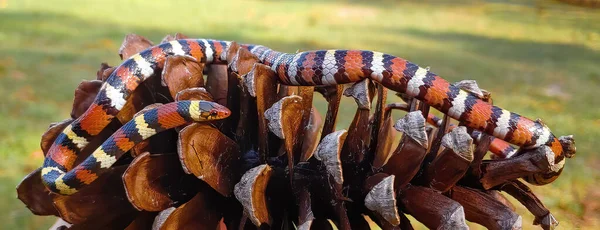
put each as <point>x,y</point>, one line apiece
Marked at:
<point>323,67</point>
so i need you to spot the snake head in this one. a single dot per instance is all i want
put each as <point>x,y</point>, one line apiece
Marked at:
<point>208,111</point>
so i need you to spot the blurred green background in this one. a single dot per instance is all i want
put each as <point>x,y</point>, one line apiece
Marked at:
<point>539,58</point>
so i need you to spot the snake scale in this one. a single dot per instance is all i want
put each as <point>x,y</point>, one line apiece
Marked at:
<point>311,68</point>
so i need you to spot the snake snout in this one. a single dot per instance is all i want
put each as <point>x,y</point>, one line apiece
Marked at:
<point>223,112</point>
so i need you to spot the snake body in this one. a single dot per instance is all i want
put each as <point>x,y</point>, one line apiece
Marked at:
<point>498,147</point>
<point>112,97</point>
<point>330,67</point>
<point>138,129</point>
<point>323,67</point>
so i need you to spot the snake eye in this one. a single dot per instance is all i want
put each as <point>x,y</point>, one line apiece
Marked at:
<point>214,113</point>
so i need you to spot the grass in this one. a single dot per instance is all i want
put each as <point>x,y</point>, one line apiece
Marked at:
<point>538,58</point>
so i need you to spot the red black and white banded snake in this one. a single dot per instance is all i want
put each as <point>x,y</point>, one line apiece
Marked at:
<point>323,67</point>
<point>500,148</point>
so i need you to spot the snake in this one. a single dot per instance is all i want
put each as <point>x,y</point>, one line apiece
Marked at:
<point>140,128</point>
<point>309,68</point>
<point>500,148</point>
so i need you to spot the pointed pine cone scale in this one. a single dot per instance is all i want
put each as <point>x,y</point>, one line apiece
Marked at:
<point>359,134</point>
<point>453,162</point>
<point>306,93</point>
<point>196,93</point>
<point>35,196</point>
<point>133,44</point>
<point>261,83</point>
<point>210,155</point>
<point>377,121</point>
<point>328,151</point>
<point>84,96</point>
<point>161,217</point>
<point>53,131</point>
<point>182,72</point>
<point>201,212</point>
<point>381,198</point>
<point>501,198</point>
<point>471,87</point>
<point>413,126</point>
<point>156,182</point>
<point>177,36</point>
<point>216,83</point>
<point>387,135</point>
<point>527,198</point>
<point>285,118</point>
<point>279,112</point>
<point>333,96</point>
<point>359,137</point>
<point>250,191</point>
<point>104,72</point>
<point>484,209</point>
<point>311,137</point>
<point>245,62</point>
<point>496,172</point>
<point>432,208</point>
<point>405,161</point>
<point>318,224</point>
<point>360,92</point>
<point>231,55</point>
<point>95,206</point>
<point>385,139</point>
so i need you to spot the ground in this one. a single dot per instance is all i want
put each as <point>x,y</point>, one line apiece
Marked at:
<point>538,58</point>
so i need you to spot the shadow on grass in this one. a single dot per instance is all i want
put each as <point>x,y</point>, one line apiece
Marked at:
<point>46,27</point>
<point>492,57</point>
<point>529,52</point>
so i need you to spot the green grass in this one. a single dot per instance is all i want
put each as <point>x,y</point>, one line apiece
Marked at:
<point>539,59</point>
